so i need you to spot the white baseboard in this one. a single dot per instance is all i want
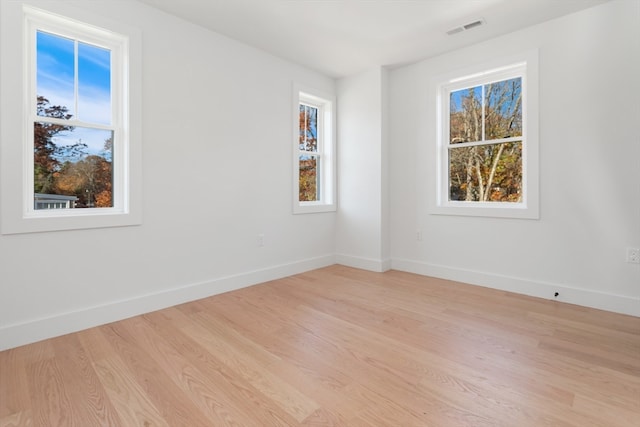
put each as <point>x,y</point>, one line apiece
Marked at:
<point>39,329</point>
<point>572,295</point>
<point>369,264</point>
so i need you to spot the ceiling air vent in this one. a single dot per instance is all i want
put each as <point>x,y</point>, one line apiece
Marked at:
<point>466,27</point>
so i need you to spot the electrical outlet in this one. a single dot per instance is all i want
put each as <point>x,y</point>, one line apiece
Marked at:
<point>633,255</point>
<point>260,240</point>
<point>419,235</point>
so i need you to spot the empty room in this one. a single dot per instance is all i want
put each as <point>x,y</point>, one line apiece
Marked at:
<point>320,213</point>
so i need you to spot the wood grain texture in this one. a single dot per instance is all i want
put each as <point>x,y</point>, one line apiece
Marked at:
<point>337,347</point>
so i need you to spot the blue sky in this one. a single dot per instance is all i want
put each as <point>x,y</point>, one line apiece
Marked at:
<point>457,96</point>
<point>56,82</point>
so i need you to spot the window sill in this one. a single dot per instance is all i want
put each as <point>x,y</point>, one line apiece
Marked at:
<point>313,207</point>
<point>62,220</point>
<point>490,210</point>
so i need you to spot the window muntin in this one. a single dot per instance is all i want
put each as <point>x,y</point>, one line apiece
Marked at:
<point>314,153</point>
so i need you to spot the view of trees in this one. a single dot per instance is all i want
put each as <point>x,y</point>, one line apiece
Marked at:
<point>485,151</point>
<point>70,170</point>
<point>309,163</point>
<point>308,181</point>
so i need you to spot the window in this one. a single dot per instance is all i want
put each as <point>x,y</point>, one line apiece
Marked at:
<point>78,142</point>
<point>314,153</point>
<point>74,120</point>
<point>487,143</point>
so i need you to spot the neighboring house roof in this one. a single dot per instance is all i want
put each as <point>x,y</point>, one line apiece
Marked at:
<point>40,196</point>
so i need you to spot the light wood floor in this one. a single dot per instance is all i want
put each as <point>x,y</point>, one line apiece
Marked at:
<point>337,347</point>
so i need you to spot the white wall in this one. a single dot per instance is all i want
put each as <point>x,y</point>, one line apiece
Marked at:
<point>589,168</point>
<point>362,228</point>
<point>217,126</point>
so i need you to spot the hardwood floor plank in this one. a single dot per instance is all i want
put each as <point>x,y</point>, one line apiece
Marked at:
<point>16,399</point>
<point>278,390</point>
<point>368,365</point>
<point>131,402</point>
<point>211,398</point>
<point>605,414</point>
<point>96,344</point>
<point>127,396</point>
<point>19,419</point>
<point>49,393</point>
<point>337,347</point>
<point>382,411</point>
<point>324,418</point>
<point>91,405</point>
<point>592,355</point>
<point>176,408</point>
<point>241,344</point>
<point>240,394</point>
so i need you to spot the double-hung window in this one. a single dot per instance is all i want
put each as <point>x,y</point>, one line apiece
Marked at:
<point>314,152</point>
<point>73,115</point>
<point>78,141</point>
<point>487,143</point>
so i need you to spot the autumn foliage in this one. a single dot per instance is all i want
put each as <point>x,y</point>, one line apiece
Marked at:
<point>485,143</point>
<point>308,180</point>
<point>309,161</point>
<point>68,169</point>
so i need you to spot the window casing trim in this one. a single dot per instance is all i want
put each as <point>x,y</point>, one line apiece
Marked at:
<point>17,213</point>
<point>325,103</point>
<point>525,66</point>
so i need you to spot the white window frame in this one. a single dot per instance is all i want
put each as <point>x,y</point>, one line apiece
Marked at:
<point>526,67</point>
<point>17,213</point>
<point>326,149</point>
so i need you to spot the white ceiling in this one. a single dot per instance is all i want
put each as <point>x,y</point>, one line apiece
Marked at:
<point>344,37</point>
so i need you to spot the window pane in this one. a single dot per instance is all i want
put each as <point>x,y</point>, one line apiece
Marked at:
<point>465,115</point>
<point>94,84</point>
<point>309,178</point>
<point>55,73</point>
<point>487,173</point>
<point>73,161</point>
<point>503,109</point>
<point>308,128</point>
